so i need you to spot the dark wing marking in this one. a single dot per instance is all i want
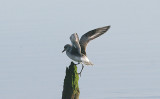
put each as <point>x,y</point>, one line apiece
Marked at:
<point>75,42</point>
<point>90,36</point>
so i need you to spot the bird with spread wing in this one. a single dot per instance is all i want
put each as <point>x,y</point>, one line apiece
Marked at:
<point>77,50</point>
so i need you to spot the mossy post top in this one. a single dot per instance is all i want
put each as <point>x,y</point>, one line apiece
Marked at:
<point>70,87</point>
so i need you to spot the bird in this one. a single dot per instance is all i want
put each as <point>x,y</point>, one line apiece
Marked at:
<point>77,50</point>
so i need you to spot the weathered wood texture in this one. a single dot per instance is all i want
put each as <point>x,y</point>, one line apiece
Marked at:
<point>70,87</point>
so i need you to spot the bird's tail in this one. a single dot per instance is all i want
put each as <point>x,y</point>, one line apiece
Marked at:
<point>91,63</point>
<point>87,63</point>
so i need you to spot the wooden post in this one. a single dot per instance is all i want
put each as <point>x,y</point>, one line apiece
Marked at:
<point>70,87</point>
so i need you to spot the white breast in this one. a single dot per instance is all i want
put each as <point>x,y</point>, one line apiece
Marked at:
<point>73,57</point>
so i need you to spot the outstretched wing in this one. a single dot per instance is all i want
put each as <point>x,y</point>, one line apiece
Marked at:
<point>90,36</point>
<point>75,42</point>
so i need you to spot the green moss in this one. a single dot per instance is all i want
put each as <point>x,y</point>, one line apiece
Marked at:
<point>71,82</point>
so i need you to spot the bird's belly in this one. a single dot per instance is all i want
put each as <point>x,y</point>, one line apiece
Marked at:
<point>74,57</point>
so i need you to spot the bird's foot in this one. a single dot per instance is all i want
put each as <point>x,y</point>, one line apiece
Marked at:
<point>77,63</point>
<point>79,74</point>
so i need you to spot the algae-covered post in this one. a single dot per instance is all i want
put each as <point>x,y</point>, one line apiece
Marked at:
<point>70,87</point>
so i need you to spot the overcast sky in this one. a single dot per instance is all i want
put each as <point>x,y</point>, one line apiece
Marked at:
<point>34,32</point>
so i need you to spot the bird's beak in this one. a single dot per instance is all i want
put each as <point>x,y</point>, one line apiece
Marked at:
<point>63,50</point>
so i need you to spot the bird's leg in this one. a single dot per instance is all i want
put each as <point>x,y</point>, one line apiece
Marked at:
<point>81,70</point>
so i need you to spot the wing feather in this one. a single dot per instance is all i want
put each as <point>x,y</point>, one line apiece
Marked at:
<point>75,42</point>
<point>90,36</point>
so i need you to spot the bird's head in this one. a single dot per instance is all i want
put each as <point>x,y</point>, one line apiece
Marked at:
<point>66,47</point>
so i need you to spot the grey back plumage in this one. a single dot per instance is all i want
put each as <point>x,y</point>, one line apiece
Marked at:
<point>90,36</point>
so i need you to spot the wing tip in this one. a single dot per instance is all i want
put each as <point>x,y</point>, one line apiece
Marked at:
<point>109,26</point>
<point>105,28</point>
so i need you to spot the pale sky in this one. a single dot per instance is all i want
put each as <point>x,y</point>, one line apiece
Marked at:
<point>34,32</point>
